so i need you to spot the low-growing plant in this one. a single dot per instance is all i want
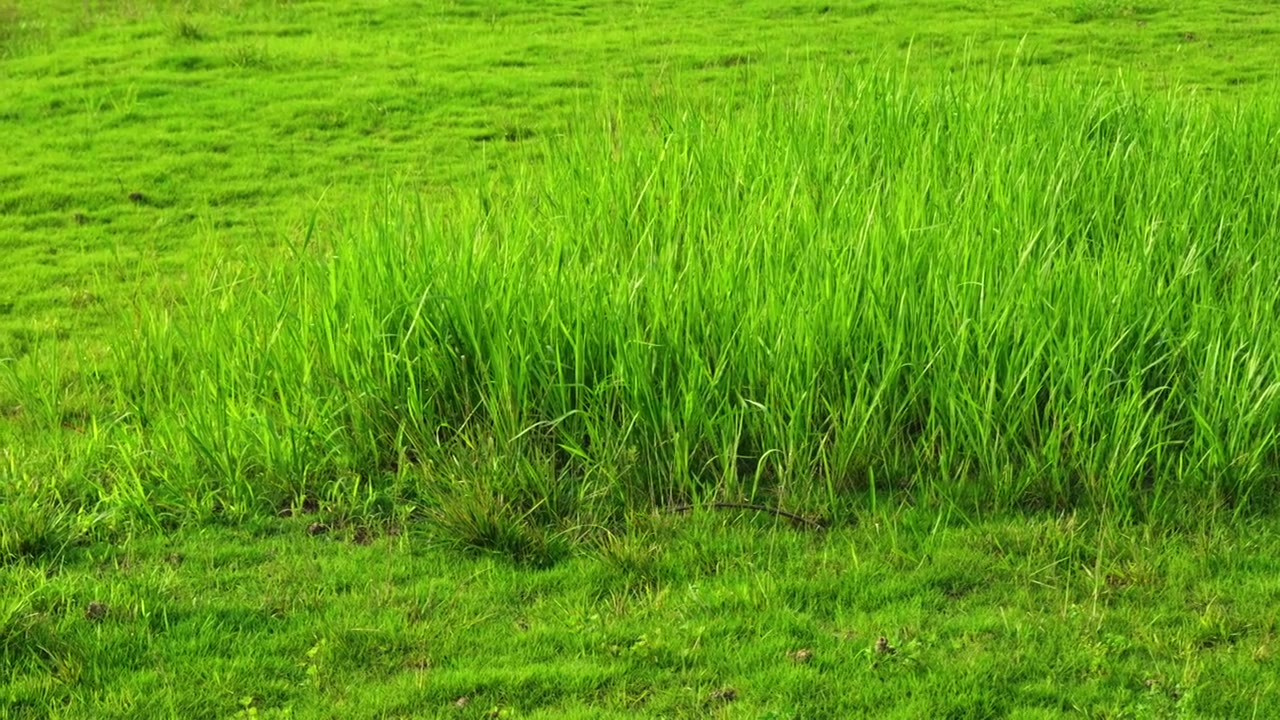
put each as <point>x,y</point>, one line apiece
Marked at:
<point>476,517</point>
<point>188,30</point>
<point>35,526</point>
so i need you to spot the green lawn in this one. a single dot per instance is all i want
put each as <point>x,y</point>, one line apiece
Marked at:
<point>715,616</point>
<point>417,361</point>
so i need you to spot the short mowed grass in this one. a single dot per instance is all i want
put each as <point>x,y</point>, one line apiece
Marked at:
<point>588,360</point>
<point>711,616</point>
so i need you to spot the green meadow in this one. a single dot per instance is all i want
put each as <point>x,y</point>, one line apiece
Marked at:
<point>647,359</point>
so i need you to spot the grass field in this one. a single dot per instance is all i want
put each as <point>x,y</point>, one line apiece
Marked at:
<point>492,359</point>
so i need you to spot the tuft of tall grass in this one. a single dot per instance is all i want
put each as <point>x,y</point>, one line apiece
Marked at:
<point>981,292</point>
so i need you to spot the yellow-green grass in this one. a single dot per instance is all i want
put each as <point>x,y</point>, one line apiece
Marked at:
<point>987,291</point>
<point>972,290</point>
<point>724,616</point>
<point>234,118</point>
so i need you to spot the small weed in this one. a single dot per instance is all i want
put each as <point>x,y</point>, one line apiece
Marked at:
<point>636,557</point>
<point>250,56</point>
<point>187,30</point>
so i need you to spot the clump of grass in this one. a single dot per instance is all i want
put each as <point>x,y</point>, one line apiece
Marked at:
<point>250,56</point>
<point>188,30</point>
<point>976,291</point>
<point>34,531</point>
<point>1083,11</point>
<point>635,558</point>
<point>15,27</point>
<point>479,518</point>
<point>28,638</point>
<point>36,524</point>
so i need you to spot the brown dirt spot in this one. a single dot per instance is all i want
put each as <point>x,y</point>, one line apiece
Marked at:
<point>95,612</point>
<point>724,695</point>
<point>801,656</point>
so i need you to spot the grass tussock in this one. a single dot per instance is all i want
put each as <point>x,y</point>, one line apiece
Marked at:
<point>970,292</point>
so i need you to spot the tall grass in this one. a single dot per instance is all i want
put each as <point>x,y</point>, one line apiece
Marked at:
<point>976,292</point>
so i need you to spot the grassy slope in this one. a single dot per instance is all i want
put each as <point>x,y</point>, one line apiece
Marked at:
<point>234,119</point>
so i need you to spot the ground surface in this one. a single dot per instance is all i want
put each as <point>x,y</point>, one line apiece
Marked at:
<point>719,616</point>
<point>140,141</point>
